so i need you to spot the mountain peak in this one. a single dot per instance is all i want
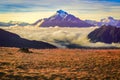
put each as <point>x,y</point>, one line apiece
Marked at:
<point>61,12</point>
<point>110,17</point>
<point>63,19</point>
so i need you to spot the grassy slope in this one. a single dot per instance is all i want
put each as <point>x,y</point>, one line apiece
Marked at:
<point>56,64</point>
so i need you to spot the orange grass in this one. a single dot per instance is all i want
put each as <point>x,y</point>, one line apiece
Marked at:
<point>60,64</point>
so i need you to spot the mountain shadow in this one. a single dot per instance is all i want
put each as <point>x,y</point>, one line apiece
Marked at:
<point>107,34</point>
<point>8,39</point>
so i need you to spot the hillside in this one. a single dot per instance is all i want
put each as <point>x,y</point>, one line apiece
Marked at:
<point>106,34</point>
<point>60,64</point>
<point>8,39</point>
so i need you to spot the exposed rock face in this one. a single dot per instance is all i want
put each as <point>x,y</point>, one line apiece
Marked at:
<point>8,39</point>
<point>106,34</point>
<point>62,19</point>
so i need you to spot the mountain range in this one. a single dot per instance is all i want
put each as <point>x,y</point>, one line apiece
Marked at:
<point>107,32</point>
<point>105,21</point>
<point>62,19</point>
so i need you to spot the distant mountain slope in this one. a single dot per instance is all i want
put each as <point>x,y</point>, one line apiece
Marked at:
<point>105,21</point>
<point>62,19</point>
<point>106,34</point>
<point>14,23</point>
<point>8,39</point>
<point>110,21</point>
<point>4,24</point>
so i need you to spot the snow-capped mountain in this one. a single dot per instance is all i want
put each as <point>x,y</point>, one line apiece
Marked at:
<point>110,21</point>
<point>62,19</point>
<point>105,21</point>
<point>63,16</point>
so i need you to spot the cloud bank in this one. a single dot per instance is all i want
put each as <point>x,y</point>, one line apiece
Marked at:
<point>61,37</point>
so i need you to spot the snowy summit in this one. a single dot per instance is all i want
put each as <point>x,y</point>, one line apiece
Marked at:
<point>62,13</point>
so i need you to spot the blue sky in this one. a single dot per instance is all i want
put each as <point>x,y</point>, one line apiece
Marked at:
<point>48,5</point>
<point>80,8</point>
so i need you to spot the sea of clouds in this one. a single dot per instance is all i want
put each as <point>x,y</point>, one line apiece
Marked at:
<point>60,37</point>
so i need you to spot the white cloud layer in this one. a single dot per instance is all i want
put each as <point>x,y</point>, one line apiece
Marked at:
<point>61,37</point>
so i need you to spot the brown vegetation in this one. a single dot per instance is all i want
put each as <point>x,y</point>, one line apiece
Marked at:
<point>60,64</point>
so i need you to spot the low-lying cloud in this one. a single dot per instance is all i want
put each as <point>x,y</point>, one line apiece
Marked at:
<point>61,37</point>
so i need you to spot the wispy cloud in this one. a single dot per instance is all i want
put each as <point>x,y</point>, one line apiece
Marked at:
<point>81,8</point>
<point>38,5</point>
